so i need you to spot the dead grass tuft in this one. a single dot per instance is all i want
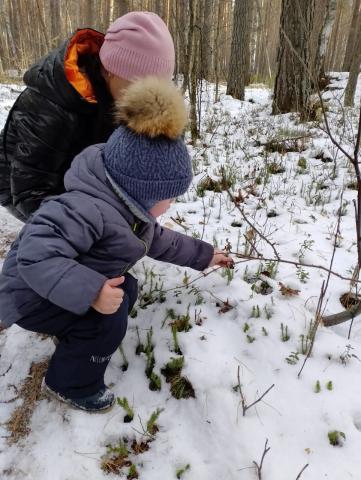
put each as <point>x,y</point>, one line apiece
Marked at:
<point>18,425</point>
<point>5,241</point>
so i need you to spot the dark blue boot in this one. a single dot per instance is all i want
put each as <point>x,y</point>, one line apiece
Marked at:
<point>98,402</point>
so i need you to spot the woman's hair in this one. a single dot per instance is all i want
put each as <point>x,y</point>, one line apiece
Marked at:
<point>104,123</point>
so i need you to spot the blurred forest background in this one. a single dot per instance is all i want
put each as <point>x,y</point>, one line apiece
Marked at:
<point>286,44</point>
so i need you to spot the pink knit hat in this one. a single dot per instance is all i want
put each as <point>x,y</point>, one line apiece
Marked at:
<point>136,45</point>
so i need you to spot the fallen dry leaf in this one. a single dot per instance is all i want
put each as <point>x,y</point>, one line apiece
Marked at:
<point>288,291</point>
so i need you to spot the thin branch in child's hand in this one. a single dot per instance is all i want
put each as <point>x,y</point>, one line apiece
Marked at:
<point>291,262</point>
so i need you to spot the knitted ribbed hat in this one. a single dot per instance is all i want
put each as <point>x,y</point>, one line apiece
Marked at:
<point>147,158</point>
<point>138,44</point>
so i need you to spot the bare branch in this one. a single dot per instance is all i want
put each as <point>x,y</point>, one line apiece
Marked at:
<point>245,407</point>
<point>291,262</point>
<point>6,371</point>
<point>259,467</point>
<point>251,225</point>
<point>341,317</point>
<point>324,287</point>
<point>301,472</point>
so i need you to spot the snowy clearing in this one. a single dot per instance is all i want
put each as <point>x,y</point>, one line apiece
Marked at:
<point>224,321</point>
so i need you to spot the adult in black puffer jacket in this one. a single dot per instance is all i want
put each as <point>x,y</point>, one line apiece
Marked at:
<point>67,104</point>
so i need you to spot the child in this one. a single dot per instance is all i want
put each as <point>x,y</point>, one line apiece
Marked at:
<point>66,274</point>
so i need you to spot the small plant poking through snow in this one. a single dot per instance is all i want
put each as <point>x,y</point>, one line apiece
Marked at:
<point>284,333</point>
<point>176,346</point>
<point>116,458</point>
<point>336,438</point>
<point>347,356</point>
<point>182,322</point>
<point>123,402</point>
<point>152,427</point>
<point>317,387</point>
<point>149,352</point>
<point>181,387</point>
<point>140,347</point>
<point>181,471</point>
<point>293,358</point>
<point>155,382</point>
<point>132,473</point>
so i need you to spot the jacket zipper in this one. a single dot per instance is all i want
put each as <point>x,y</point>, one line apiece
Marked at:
<point>146,249</point>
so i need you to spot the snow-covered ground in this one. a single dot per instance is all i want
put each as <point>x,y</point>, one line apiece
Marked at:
<point>262,335</point>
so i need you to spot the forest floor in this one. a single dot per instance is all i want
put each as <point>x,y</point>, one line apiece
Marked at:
<point>232,332</point>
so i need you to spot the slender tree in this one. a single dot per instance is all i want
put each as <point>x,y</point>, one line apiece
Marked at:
<point>354,69</point>
<point>206,44</point>
<point>240,49</point>
<point>293,83</point>
<point>323,39</point>
<point>351,36</point>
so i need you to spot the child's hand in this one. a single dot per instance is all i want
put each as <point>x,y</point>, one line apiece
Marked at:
<point>219,258</point>
<point>110,296</point>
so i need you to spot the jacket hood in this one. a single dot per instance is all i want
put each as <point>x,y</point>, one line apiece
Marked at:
<point>56,77</point>
<point>88,175</point>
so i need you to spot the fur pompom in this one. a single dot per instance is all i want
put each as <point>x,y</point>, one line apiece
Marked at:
<point>153,107</point>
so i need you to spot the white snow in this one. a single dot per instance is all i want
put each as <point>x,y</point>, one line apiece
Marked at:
<point>209,432</point>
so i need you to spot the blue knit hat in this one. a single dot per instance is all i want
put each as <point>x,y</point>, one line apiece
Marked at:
<point>146,157</point>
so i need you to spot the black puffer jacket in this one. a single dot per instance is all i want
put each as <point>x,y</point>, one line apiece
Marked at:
<point>49,124</point>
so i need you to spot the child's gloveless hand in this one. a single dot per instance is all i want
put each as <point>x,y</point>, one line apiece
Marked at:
<point>110,296</point>
<point>219,258</point>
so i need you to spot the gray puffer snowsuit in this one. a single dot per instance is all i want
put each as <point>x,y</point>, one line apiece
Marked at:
<point>79,239</point>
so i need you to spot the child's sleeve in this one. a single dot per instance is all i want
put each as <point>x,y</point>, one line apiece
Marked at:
<point>58,233</point>
<point>177,248</point>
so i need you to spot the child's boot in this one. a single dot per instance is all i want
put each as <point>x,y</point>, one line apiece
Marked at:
<point>98,402</point>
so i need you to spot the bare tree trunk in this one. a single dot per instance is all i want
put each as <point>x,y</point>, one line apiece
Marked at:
<point>193,36</point>
<point>240,50</point>
<point>189,46</point>
<point>293,84</point>
<point>351,36</point>
<point>206,44</point>
<point>216,50</point>
<point>55,22</point>
<point>262,39</point>
<point>355,68</point>
<point>323,38</point>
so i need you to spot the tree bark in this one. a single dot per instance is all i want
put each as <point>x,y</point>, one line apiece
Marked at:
<point>354,69</point>
<point>293,83</point>
<point>55,22</point>
<point>120,7</point>
<point>216,50</point>
<point>351,36</point>
<point>206,44</point>
<point>240,49</point>
<point>323,38</point>
<point>193,42</point>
